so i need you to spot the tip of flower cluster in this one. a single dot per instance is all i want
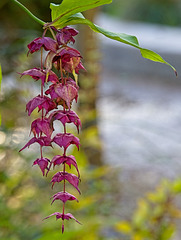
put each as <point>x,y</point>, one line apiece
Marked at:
<point>62,228</point>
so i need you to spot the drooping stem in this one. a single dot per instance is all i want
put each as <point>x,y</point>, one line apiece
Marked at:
<point>53,35</point>
<point>41,58</point>
<point>29,13</point>
<point>41,150</point>
<point>44,33</point>
<point>41,82</point>
<point>61,71</point>
<point>64,125</point>
<point>64,179</point>
<point>63,210</point>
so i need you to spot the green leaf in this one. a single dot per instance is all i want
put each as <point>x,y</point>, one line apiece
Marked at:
<point>79,19</point>
<point>121,37</point>
<point>146,53</point>
<point>67,8</point>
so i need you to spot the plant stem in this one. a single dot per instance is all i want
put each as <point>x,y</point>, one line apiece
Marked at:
<point>29,13</point>
<point>61,72</point>
<point>41,81</point>
<point>53,35</point>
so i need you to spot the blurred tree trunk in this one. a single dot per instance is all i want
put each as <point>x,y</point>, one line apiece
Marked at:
<point>88,81</point>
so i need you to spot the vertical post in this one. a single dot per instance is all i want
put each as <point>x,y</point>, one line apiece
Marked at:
<point>88,82</point>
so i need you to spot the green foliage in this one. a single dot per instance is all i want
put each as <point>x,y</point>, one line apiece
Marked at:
<point>155,217</point>
<point>69,7</point>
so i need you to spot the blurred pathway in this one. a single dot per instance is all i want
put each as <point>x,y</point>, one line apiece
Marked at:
<point>140,112</point>
<point>140,122</point>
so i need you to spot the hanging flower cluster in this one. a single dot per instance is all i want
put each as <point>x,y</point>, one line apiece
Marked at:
<point>62,91</point>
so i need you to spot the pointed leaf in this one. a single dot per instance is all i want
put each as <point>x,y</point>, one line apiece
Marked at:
<point>60,12</point>
<point>146,53</point>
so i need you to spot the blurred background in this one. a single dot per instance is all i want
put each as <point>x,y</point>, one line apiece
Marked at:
<point>130,157</point>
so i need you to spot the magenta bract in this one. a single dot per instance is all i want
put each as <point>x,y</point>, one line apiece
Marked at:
<point>70,59</point>
<point>66,117</point>
<point>43,164</point>
<point>47,43</point>
<point>65,35</point>
<point>66,216</point>
<point>37,74</point>
<point>34,103</point>
<point>67,57</point>
<point>39,126</point>
<point>40,102</point>
<point>48,105</point>
<point>66,139</point>
<point>64,197</point>
<point>71,178</point>
<point>43,141</point>
<point>66,92</point>
<point>69,160</point>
